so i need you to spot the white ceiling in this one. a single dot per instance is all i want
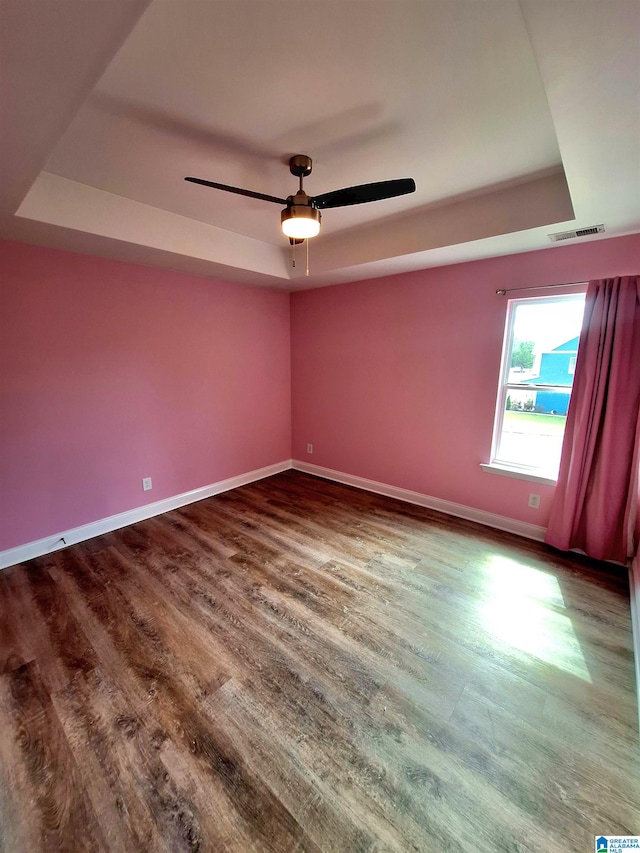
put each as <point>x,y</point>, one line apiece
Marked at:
<point>516,119</point>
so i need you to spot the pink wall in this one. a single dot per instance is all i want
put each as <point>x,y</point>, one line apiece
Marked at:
<point>112,372</point>
<point>395,379</point>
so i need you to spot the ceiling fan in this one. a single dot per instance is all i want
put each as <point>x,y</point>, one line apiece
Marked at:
<point>301,217</point>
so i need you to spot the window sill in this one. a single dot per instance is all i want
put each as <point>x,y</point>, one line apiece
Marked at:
<point>504,471</point>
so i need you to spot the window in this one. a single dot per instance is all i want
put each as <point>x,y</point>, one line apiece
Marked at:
<point>538,364</point>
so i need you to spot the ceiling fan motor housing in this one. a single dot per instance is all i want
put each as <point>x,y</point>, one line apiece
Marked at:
<point>300,206</point>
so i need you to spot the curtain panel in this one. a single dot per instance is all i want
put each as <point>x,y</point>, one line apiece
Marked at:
<point>595,508</point>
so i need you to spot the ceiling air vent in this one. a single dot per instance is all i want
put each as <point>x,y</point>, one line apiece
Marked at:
<point>580,232</point>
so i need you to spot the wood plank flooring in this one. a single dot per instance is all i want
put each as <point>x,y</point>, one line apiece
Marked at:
<point>301,666</point>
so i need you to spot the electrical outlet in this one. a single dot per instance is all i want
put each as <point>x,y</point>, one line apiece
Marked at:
<point>146,484</point>
<point>534,501</point>
<point>309,448</point>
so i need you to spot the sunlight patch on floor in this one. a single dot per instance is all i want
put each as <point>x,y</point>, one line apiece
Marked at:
<point>523,608</point>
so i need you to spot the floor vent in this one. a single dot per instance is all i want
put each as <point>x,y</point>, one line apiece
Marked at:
<point>580,232</point>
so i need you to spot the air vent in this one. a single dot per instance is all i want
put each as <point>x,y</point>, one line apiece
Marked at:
<point>580,232</point>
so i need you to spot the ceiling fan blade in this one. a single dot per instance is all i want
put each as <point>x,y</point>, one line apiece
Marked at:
<point>237,190</point>
<point>364,193</point>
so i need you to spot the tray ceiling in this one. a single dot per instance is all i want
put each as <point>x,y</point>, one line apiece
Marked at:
<point>515,119</point>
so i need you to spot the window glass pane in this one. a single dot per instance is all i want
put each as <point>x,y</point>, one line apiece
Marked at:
<point>542,348</point>
<point>545,340</point>
<point>533,429</point>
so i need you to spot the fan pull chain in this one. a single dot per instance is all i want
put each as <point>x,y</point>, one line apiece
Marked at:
<point>292,252</point>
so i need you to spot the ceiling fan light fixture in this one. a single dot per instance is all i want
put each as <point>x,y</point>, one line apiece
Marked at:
<point>300,221</point>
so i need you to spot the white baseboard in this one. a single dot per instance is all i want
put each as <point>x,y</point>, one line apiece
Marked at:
<point>634,590</point>
<point>105,525</point>
<point>489,519</point>
<point>55,542</point>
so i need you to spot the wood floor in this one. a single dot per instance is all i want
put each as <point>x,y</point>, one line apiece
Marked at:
<point>300,666</point>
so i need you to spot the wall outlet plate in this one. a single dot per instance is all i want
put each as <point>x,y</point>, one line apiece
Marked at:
<point>534,501</point>
<point>146,484</point>
<point>309,448</point>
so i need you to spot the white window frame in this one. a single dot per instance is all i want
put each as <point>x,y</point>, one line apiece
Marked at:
<point>501,466</point>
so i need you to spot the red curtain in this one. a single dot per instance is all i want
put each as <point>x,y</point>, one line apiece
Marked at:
<point>596,501</point>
